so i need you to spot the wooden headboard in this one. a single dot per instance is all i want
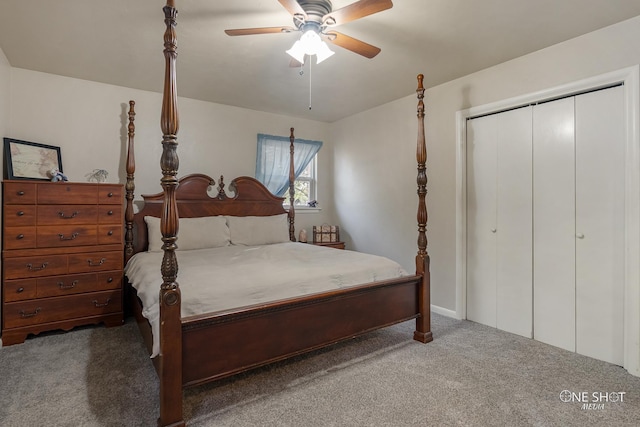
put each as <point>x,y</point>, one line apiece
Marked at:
<point>196,197</point>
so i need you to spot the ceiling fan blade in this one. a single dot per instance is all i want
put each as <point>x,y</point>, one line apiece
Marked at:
<point>356,10</point>
<point>265,30</point>
<point>293,7</point>
<point>294,63</point>
<point>354,45</point>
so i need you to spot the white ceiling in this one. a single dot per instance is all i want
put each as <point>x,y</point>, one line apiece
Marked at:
<point>120,42</point>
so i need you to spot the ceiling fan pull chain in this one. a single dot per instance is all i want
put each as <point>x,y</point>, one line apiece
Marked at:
<point>310,83</point>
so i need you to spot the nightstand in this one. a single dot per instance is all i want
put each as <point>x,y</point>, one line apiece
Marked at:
<point>336,245</point>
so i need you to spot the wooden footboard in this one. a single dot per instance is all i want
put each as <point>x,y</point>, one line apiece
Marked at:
<point>237,340</point>
<point>218,345</point>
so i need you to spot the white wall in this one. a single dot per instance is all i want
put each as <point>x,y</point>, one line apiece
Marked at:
<point>388,225</point>
<point>88,120</point>
<point>375,180</point>
<point>5,102</point>
<point>5,97</point>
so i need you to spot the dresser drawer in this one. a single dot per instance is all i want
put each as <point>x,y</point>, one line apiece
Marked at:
<point>19,215</point>
<point>16,193</point>
<point>109,280</point>
<point>109,234</point>
<point>75,284</point>
<point>53,236</point>
<point>18,290</point>
<point>110,194</point>
<point>110,214</point>
<point>67,214</point>
<point>19,237</point>
<point>66,285</point>
<point>33,312</point>
<point>36,266</point>
<point>69,193</point>
<point>95,261</point>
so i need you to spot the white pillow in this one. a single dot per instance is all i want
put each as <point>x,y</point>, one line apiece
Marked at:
<point>258,230</point>
<point>194,233</point>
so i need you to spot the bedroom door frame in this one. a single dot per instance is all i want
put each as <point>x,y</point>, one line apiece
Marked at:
<point>630,78</point>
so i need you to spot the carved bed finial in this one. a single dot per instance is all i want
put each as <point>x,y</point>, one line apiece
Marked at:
<point>421,156</point>
<point>130,185</point>
<point>170,298</point>
<point>423,322</point>
<point>292,179</point>
<point>169,163</point>
<point>221,193</point>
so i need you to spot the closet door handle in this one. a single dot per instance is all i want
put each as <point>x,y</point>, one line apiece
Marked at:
<point>580,235</point>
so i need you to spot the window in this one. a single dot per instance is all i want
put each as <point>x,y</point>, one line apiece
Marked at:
<point>304,186</point>
<point>272,167</point>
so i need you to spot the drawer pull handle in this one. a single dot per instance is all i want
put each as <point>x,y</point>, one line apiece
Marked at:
<point>25,315</point>
<point>110,195</point>
<point>71,286</point>
<point>110,213</point>
<point>20,236</point>
<point>110,233</point>
<point>20,213</point>
<point>20,290</point>
<point>110,279</point>
<point>92,264</point>
<point>42,267</point>
<point>72,237</point>
<point>20,193</point>
<point>73,215</point>
<point>104,304</point>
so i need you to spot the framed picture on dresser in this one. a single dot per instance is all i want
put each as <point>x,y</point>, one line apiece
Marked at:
<point>30,160</point>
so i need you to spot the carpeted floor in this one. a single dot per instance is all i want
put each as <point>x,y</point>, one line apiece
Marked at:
<point>470,375</point>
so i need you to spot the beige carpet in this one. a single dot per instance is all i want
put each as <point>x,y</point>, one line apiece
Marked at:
<point>471,375</point>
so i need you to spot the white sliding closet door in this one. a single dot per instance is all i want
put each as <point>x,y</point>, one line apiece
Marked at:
<point>514,249</point>
<point>499,221</point>
<point>600,224</point>
<point>545,222</point>
<point>481,219</point>
<point>554,223</point>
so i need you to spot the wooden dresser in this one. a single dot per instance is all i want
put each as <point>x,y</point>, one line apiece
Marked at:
<point>62,256</point>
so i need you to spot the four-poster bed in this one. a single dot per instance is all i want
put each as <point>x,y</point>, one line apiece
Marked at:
<point>198,348</point>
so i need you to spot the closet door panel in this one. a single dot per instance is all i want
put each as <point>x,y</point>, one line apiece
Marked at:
<point>554,223</point>
<point>514,297</point>
<point>600,224</point>
<point>481,220</point>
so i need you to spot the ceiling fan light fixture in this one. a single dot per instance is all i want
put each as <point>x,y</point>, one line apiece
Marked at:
<point>310,44</point>
<point>297,51</point>
<point>323,53</point>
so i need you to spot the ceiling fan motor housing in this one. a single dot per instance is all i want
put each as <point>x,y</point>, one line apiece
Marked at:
<point>315,9</point>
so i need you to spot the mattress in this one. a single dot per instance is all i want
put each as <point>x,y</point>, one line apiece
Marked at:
<point>234,276</point>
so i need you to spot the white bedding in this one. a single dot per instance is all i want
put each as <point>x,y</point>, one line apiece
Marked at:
<point>235,276</point>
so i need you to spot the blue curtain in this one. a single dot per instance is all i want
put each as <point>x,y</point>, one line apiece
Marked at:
<point>272,160</point>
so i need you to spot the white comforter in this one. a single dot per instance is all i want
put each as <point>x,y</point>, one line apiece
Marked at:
<point>229,277</point>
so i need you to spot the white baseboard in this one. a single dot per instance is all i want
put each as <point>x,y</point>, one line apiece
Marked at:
<point>444,311</point>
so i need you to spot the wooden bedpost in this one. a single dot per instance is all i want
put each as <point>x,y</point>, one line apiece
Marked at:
<point>292,179</point>
<point>423,322</point>
<point>130,185</point>
<point>170,301</point>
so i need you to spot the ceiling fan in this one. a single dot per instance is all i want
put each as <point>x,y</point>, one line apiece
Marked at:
<point>315,19</point>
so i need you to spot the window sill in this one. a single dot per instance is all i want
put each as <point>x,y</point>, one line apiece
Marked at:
<point>305,209</point>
